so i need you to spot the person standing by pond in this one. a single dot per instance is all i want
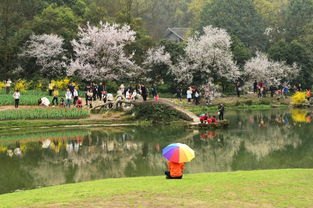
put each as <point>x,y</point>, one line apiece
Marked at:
<point>238,89</point>
<point>255,87</point>
<point>75,95</point>
<point>144,92</point>
<point>197,97</point>
<point>154,93</point>
<point>16,96</point>
<point>68,98</point>
<point>179,93</point>
<point>50,88</point>
<point>8,83</point>
<point>221,110</point>
<point>189,94</point>
<point>55,99</point>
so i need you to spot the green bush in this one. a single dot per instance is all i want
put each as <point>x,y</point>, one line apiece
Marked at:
<point>156,113</point>
<point>44,113</point>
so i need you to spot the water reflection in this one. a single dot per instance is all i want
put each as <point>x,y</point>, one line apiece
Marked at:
<point>255,140</point>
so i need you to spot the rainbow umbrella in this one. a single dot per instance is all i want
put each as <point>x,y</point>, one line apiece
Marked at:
<point>178,153</point>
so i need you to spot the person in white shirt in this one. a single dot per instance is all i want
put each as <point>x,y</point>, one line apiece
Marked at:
<point>189,94</point>
<point>128,94</point>
<point>68,98</point>
<point>110,99</point>
<point>44,102</point>
<point>133,96</point>
<point>75,94</point>
<point>16,96</point>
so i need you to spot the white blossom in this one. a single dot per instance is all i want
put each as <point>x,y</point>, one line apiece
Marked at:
<point>157,61</point>
<point>99,52</point>
<point>208,55</point>
<point>157,56</point>
<point>49,54</point>
<point>182,72</point>
<point>260,68</point>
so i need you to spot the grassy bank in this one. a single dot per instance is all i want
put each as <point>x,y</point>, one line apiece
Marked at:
<point>213,109</point>
<point>246,102</point>
<point>44,113</point>
<point>274,188</point>
<point>33,124</point>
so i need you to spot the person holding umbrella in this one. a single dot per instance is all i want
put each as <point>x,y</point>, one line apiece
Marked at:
<point>177,154</point>
<point>175,170</point>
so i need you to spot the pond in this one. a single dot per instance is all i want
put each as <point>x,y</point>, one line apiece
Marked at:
<point>254,140</point>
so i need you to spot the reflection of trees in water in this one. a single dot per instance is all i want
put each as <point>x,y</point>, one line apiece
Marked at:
<point>268,132</point>
<point>93,157</point>
<point>260,134</point>
<point>100,154</point>
<point>214,154</point>
<point>273,139</point>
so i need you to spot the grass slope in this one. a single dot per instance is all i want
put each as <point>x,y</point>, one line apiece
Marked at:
<point>271,188</point>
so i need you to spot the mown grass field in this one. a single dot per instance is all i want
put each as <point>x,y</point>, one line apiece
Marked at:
<point>270,188</point>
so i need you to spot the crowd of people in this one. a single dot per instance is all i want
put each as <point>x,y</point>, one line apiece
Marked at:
<point>261,88</point>
<point>94,92</point>
<point>192,94</point>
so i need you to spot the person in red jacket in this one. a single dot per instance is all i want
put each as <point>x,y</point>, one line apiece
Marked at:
<point>213,119</point>
<point>79,103</point>
<point>209,120</point>
<point>175,170</point>
<point>203,118</point>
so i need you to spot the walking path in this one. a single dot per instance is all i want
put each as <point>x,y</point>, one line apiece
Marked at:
<point>193,117</point>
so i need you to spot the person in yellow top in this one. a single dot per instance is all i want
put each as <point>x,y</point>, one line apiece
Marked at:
<point>175,170</point>
<point>55,99</point>
<point>50,88</point>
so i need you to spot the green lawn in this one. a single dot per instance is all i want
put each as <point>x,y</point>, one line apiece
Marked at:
<point>29,97</point>
<point>272,188</point>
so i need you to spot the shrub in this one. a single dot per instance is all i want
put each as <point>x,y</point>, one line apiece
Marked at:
<point>2,85</point>
<point>21,85</point>
<point>299,98</point>
<point>156,113</point>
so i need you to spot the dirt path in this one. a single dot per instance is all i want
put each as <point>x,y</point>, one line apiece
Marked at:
<point>11,107</point>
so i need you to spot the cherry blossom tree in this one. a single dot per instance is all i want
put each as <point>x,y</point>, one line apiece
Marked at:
<point>261,68</point>
<point>100,53</point>
<point>157,64</point>
<point>208,56</point>
<point>47,49</point>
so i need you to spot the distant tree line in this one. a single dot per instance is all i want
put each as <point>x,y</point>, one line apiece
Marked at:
<point>282,29</point>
